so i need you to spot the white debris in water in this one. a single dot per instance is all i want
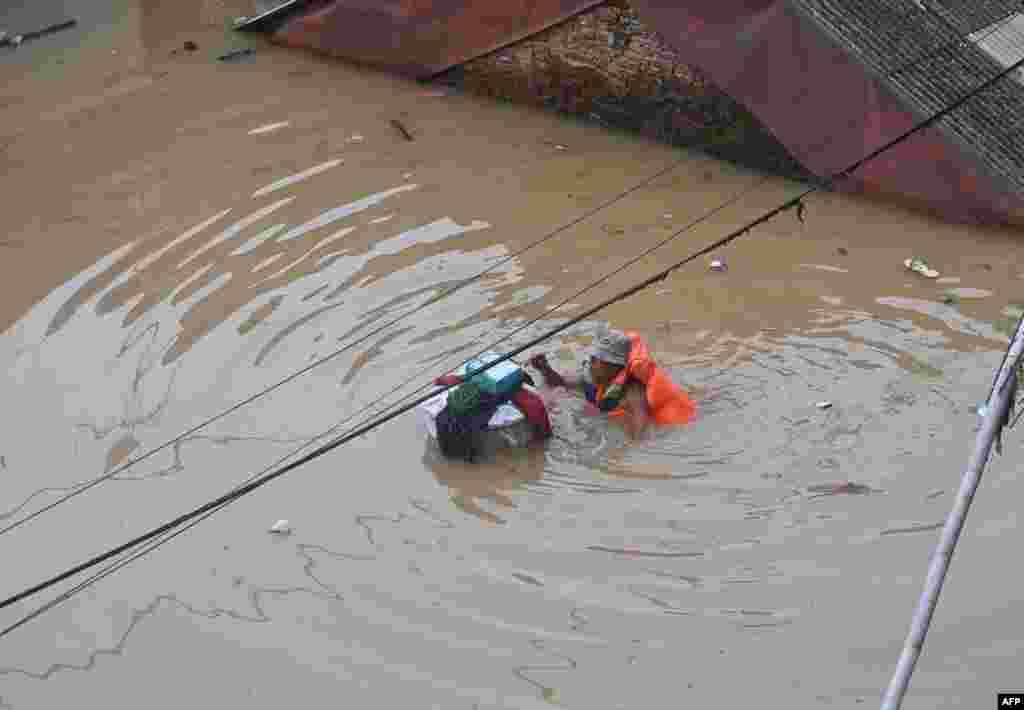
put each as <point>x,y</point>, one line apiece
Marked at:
<point>824,405</point>
<point>269,128</point>
<point>297,177</point>
<point>356,139</point>
<point>281,527</point>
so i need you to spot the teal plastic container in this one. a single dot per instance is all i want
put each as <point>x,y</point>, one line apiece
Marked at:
<point>503,379</point>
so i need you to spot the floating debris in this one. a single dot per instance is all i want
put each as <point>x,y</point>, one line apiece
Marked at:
<point>15,40</point>
<point>402,130</point>
<point>236,54</point>
<point>920,266</point>
<point>824,405</point>
<point>718,265</point>
<point>843,251</point>
<point>281,527</point>
<point>528,579</point>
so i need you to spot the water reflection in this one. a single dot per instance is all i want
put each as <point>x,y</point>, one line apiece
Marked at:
<point>586,573</point>
<point>157,299</point>
<point>214,278</point>
<point>472,486</point>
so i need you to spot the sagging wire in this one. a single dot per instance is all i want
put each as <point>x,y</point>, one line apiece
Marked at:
<point>87,485</point>
<point>237,493</point>
<point>82,487</point>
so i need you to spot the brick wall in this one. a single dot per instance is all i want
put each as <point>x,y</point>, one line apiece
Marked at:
<point>605,65</point>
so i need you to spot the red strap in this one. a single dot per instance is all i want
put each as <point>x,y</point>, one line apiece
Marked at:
<point>535,412</point>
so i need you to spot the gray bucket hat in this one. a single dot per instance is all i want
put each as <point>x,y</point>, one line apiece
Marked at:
<point>612,346</point>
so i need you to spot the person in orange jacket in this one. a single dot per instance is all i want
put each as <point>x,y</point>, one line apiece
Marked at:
<point>624,381</point>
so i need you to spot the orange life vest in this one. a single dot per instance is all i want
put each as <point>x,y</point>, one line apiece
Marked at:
<point>668,403</point>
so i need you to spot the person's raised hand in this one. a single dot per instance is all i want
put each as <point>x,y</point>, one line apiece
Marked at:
<point>540,362</point>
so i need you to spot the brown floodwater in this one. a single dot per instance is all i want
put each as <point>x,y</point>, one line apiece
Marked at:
<point>181,233</point>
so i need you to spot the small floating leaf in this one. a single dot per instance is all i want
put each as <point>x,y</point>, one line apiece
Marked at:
<point>551,695</point>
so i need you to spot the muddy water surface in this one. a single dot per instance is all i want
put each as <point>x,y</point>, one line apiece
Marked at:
<point>182,233</point>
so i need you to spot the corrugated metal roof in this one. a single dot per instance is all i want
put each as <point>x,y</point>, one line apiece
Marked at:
<point>920,50</point>
<point>969,16</point>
